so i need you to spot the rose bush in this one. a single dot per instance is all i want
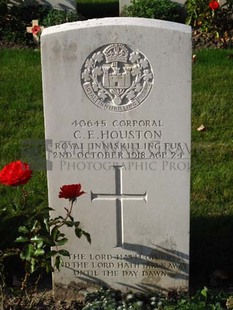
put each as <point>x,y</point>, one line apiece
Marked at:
<point>38,237</point>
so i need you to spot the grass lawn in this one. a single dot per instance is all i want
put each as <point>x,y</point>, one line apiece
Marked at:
<point>212,150</point>
<point>212,164</point>
<point>21,113</point>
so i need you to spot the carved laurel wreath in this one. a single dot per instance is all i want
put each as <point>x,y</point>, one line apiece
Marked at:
<point>116,60</point>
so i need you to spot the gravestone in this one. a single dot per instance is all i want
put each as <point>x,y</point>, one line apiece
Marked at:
<point>61,5</point>
<point>117,104</point>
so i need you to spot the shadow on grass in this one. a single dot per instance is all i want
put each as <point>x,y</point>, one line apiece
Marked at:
<point>211,250</point>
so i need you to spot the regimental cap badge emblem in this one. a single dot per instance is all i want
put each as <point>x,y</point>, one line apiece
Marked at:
<point>116,77</point>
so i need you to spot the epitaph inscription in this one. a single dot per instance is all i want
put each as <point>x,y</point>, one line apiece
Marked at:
<point>116,77</point>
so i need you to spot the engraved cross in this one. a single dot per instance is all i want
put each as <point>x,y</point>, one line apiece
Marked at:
<point>119,197</point>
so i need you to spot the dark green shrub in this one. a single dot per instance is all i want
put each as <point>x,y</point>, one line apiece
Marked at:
<point>15,19</point>
<point>157,9</point>
<point>224,17</point>
<point>56,17</point>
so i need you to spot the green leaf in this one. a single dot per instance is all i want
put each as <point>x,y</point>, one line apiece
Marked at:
<point>76,224</point>
<point>88,236</point>
<point>36,225</point>
<point>48,241</point>
<point>64,253</point>
<point>58,218</point>
<point>27,252</point>
<point>33,263</point>
<point>30,266</point>
<point>204,292</point>
<point>69,223</point>
<point>39,252</point>
<point>36,239</point>
<point>78,232</point>
<point>54,233</point>
<point>23,229</point>
<point>22,239</point>
<point>58,262</point>
<point>61,241</point>
<point>51,254</point>
<point>40,245</point>
<point>46,222</point>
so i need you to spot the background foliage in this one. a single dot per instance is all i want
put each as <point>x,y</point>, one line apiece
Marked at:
<point>210,28</point>
<point>14,20</point>
<point>157,9</point>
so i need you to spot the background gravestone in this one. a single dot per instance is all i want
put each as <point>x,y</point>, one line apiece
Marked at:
<point>117,104</point>
<point>62,5</point>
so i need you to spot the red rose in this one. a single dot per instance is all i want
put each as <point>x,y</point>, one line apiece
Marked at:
<point>71,191</point>
<point>36,29</point>
<point>214,5</point>
<point>15,173</point>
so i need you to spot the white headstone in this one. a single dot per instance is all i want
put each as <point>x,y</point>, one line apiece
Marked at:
<point>117,103</point>
<point>62,5</point>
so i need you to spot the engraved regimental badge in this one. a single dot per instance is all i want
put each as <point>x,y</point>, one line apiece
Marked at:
<point>116,77</point>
